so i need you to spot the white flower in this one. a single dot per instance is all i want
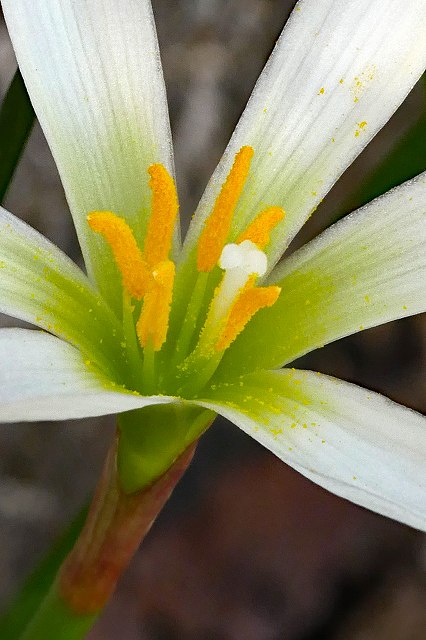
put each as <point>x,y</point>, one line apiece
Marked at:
<point>337,74</point>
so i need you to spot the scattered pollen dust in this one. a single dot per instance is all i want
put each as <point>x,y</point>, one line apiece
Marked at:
<point>361,126</point>
<point>361,81</point>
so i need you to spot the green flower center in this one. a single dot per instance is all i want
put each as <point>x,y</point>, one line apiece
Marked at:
<point>148,279</point>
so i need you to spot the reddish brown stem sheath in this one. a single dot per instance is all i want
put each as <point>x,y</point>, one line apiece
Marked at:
<point>115,526</point>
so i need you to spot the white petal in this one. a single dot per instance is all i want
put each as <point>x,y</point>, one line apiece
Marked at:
<point>94,76</point>
<point>43,378</point>
<point>41,285</point>
<point>367,269</point>
<point>353,442</point>
<point>337,74</point>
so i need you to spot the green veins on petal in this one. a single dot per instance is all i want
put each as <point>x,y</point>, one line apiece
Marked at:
<point>42,286</point>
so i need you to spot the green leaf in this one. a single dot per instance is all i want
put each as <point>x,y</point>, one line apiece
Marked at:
<point>16,121</point>
<point>28,601</point>
<point>405,161</point>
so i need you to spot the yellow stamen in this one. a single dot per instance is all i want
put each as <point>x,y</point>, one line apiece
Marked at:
<point>153,323</point>
<point>164,209</point>
<point>216,228</point>
<point>249,302</point>
<point>128,257</point>
<point>260,229</point>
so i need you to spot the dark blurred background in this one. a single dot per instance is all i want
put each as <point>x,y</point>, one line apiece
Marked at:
<point>246,548</point>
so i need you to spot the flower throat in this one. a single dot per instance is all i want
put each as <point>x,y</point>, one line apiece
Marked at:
<point>148,275</point>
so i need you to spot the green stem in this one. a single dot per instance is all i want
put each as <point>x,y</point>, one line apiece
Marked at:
<point>55,620</point>
<point>116,524</point>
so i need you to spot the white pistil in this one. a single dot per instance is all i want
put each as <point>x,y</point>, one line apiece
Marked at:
<point>240,262</point>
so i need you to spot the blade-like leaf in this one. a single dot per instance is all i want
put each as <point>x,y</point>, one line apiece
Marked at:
<point>27,602</point>
<point>405,161</point>
<point>16,121</point>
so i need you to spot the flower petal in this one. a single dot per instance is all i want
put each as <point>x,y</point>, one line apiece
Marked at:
<point>94,76</point>
<point>367,269</point>
<point>353,442</point>
<point>41,285</point>
<point>44,378</point>
<point>334,79</point>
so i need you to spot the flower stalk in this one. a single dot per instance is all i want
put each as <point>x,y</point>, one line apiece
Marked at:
<point>116,524</point>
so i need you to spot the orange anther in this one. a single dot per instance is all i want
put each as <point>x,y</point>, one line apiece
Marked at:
<point>216,228</point>
<point>153,323</point>
<point>260,229</point>
<point>164,209</point>
<point>128,257</point>
<point>250,301</point>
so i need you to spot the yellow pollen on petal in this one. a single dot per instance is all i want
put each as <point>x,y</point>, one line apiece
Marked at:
<point>216,228</point>
<point>153,322</point>
<point>250,301</point>
<point>260,229</point>
<point>128,257</point>
<point>164,209</point>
